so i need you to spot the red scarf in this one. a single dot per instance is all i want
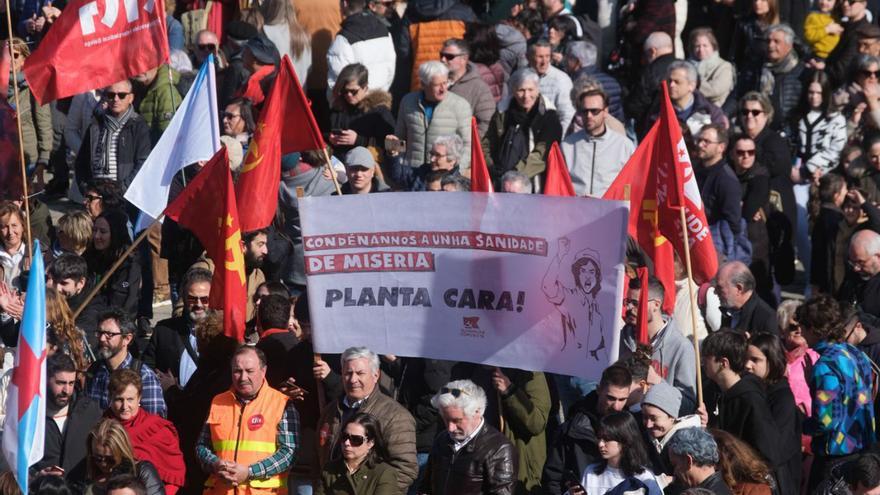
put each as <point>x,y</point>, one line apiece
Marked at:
<point>155,439</point>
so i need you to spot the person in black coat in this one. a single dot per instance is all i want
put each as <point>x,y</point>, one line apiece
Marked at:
<point>110,240</point>
<point>832,192</point>
<point>660,54</point>
<point>359,116</point>
<point>862,288</point>
<point>766,360</point>
<point>719,188</point>
<point>743,310</point>
<point>840,60</point>
<point>65,447</point>
<point>276,338</point>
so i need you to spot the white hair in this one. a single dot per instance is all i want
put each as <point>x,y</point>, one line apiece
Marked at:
<point>471,397</point>
<point>454,146</point>
<point>520,77</point>
<point>353,353</point>
<point>431,69</point>
<point>686,66</point>
<point>584,51</point>
<point>658,40</point>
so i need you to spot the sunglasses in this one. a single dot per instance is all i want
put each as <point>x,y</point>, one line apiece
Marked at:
<point>350,92</point>
<point>593,111</point>
<point>354,440</point>
<point>196,299</point>
<point>450,56</point>
<point>103,459</point>
<point>110,95</point>
<point>870,73</point>
<point>750,152</point>
<point>753,113</point>
<point>208,48</point>
<point>230,116</point>
<point>455,392</point>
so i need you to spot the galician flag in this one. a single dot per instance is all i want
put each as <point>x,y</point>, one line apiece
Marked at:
<point>25,424</point>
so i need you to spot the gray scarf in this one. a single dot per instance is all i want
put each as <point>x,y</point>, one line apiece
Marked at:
<point>112,126</point>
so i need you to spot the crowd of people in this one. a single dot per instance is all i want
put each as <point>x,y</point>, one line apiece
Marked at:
<point>779,105</point>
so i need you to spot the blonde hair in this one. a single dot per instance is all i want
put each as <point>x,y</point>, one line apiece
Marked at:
<point>77,227</point>
<point>281,11</point>
<point>110,433</point>
<point>19,45</point>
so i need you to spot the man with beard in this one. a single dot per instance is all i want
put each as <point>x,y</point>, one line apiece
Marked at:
<point>116,330</point>
<point>672,355</point>
<point>743,310</point>
<point>255,247</point>
<point>172,350</point>
<point>69,419</point>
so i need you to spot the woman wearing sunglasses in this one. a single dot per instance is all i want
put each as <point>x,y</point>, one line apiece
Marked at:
<point>362,469</point>
<point>109,453</point>
<point>359,116</point>
<point>110,239</point>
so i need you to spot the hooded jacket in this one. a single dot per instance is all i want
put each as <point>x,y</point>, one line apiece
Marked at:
<point>363,39</point>
<point>744,412</point>
<point>573,447</point>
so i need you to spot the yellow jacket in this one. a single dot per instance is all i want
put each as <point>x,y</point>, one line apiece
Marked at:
<point>821,42</point>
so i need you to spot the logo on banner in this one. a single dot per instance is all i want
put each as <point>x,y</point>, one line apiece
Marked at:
<point>470,327</point>
<point>89,11</point>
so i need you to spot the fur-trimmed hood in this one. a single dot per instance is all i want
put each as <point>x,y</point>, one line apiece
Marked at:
<point>375,98</point>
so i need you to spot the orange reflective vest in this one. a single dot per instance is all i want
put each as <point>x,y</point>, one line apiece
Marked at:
<point>246,434</point>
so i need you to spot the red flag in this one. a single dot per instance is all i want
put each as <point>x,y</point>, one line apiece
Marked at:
<point>657,180</point>
<point>558,181</point>
<point>4,65</point>
<point>207,208</point>
<point>480,180</point>
<point>286,125</point>
<point>95,43</point>
<point>642,329</point>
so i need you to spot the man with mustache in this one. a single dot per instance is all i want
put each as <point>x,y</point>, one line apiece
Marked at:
<point>69,419</point>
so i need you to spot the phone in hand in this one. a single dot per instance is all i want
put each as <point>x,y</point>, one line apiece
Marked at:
<point>573,484</point>
<point>336,131</point>
<point>395,145</point>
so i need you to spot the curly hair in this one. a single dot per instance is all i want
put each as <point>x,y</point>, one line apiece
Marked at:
<point>737,461</point>
<point>821,316</point>
<point>64,332</point>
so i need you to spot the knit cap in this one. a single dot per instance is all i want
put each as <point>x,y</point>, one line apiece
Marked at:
<point>664,397</point>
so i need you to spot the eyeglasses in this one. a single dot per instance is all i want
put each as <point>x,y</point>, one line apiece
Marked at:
<point>750,152</point>
<point>754,113</point>
<point>870,73</point>
<point>354,440</point>
<point>455,392</point>
<point>197,299</point>
<point>210,47</point>
<point>103,459</point>
<point>230,116</point>
<point>109,335</point>
<point>110,95</point>
<point>92,197</point>
<point>594,111</point>
<point>450,56</point>
<point>350,92</point>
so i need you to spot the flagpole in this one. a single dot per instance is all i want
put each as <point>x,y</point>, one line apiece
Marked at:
<point>329,168</point>
<point>106,277</point>
<point>687,260</point>
<point>24,182</point>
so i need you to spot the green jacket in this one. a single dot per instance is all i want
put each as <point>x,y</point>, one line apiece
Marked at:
<point>36,126</point>
<point>160,101</point>
<point>526,408</point>
<point>335,480</point>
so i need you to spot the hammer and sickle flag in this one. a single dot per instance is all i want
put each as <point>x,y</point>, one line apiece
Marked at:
<point>208,209</point>
<point>286,125</point>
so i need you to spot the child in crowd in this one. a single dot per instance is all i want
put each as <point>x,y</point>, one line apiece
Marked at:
<point>821,29</point>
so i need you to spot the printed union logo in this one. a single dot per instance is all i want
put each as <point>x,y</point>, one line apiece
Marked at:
<point>255,422</point>
<point>471,322</point>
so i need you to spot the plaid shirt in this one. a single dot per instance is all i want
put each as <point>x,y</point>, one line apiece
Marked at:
<point>287,440</point>
<point>151,398</point>
<point>843,408</point>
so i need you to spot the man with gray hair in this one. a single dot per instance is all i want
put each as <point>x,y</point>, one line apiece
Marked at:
<point>580,60</point>
<point>554,85</point>
<point>864,261</point>
<point>742,309</point>
<point>516,182</point>
<point>786,72</point>
<point>472,456</point>
<point>694,454</point>
<point>360,378</point>
<point>465,81</point>
<point>692,108</point>
<point>430,112</point>
<point>445,155</point>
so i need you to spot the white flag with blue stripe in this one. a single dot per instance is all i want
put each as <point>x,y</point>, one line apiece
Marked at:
<point>192,135</point>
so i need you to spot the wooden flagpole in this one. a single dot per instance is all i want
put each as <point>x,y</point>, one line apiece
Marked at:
<point>115,267</point>
<point>329,168</point>
<point>694,309</point>
<point>24,181</point>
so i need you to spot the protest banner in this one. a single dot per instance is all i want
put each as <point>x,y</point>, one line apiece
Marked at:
<point>484,278</point>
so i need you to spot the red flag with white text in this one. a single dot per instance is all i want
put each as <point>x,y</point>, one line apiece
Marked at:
<point>95,43</point>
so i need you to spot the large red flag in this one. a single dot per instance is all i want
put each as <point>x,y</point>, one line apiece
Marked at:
<point>558,181</point>
<point>95,43</point>
<point>658,180</point>
<point>286,125</point>
<point>10,162</point>
<point>480,180</point>
<point>207,208</point>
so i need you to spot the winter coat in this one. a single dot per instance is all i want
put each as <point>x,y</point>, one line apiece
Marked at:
<point>428,24</point>
<point>716,78</point>
<point>477,93</point>
<point>487,464</point>
<point>160,102</point>
<point>513,48</point>
<point>526,408</point>
<point>144,471</point>
<point>573,447</point>
<point>754,317</point>
<point>841,243</point>
<point>821,138</point>
<point>67,449</point>
<point>787,91</point>
<point>377,480</point>
<point>397,425</point>
<point>744,412</point>
<point>451,116</point>
<point>132,148</point>
<point>789,421</point>
<point>411,179</point>
<point>755,185</point>
<point>773,151</point>
<point>823,241</point>
<point>865,293</point>
<point>611,87</point>
<point>749,51</point>
<point>555,86</point>
<point>721,193</point>
<point>123,290</point>
<point>363,39</point>
<point>692,119</point>
<point>638,102</point>
<point>672,357</point>
<point>495,77</point>
<point>594,161</point>
<point>371,120</point>
<point>840,60</point>
<point>36,125</point>
<point>322,20</point>
<point>821,42</point>
<point>657,451</point>
<point>542,130</point>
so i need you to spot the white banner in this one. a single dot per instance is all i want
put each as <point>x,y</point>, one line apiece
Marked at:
<point>483,278</point>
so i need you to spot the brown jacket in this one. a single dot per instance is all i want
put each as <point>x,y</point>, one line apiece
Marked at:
<point>322,20</point>
<point>398,428</point>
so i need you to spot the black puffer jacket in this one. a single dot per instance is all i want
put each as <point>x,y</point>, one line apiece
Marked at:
<point>787,90</point>
<point>487,464</point>
<point>574,446</point>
